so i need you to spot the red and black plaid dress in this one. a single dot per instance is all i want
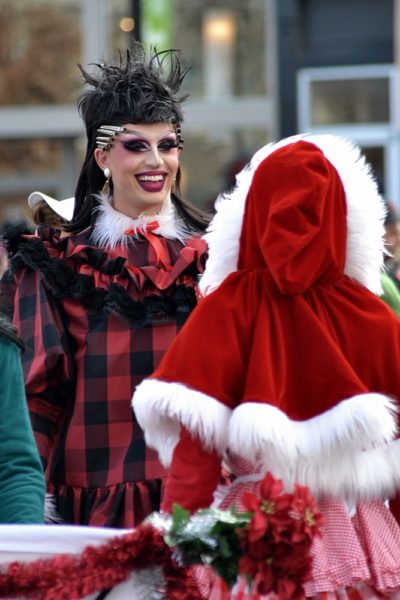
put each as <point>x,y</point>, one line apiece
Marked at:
<point>95,323</point>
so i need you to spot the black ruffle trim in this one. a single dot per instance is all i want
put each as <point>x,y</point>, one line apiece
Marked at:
<point>174,303</point>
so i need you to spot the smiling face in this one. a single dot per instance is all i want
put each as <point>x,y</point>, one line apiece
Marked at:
<point>143,165</point>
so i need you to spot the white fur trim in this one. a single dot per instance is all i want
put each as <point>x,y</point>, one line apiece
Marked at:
<point>373,474</point>
<point>50,511</point>
<point>346,451</point>
<point>222,235</point>
<point>111,224</point>
<point>365,214</point>
<point>358,423</point>
<point>365,210</point>
<point>352,477</point>
<point>160,407</point>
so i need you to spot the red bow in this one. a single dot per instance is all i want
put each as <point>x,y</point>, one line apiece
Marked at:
<point>155,242</point>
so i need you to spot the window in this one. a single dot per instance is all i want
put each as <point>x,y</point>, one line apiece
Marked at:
<point>350,101</point>
<point>360,103</point>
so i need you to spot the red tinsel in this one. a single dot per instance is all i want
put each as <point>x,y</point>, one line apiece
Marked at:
<point>278,541</point>
<point>98,568</point>
<point>276,555</point>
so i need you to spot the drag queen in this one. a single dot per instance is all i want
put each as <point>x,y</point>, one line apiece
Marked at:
<point>98,308</point>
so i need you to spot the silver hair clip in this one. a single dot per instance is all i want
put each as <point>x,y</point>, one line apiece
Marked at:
<point>106,134</point>
<point>178,132</point>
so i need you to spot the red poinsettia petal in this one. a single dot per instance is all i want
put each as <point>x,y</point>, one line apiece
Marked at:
<point>270,487</point>
<point>278,540</point>
<point>288,589</point>
<point>258,527</point>
<point>260,550</point>
<point>247,566</point>
<point>250,501</point>
<point>265,581</point>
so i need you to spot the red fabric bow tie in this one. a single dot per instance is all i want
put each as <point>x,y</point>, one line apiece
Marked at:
<point>162,257</point>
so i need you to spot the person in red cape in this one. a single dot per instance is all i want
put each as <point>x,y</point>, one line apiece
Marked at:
<point>290,364</point>
<point>97,308</point>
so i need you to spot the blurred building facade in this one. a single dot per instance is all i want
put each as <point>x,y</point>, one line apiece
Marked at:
<point>339,73</point>
<point>261,69</point>
<point>229,114</point>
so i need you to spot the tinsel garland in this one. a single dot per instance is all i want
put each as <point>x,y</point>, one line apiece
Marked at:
<point>270,545</point>
<point>66,577</point>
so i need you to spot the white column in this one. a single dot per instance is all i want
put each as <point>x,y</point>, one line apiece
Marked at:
<point>95,30</point>
<point>219,33</point>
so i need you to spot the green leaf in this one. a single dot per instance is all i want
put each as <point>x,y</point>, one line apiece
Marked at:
<point>211,536</point>
<point>180,516</point>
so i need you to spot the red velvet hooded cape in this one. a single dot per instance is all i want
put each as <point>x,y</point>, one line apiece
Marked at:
<point>289,355</point>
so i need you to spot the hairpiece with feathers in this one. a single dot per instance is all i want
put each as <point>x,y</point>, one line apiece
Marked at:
<point>138,88</point>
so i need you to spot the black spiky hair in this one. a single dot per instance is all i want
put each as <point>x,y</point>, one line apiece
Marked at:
<point>139,88</point>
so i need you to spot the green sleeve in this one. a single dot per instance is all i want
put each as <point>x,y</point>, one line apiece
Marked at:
<point>391,293</point>
<point>22,486</point>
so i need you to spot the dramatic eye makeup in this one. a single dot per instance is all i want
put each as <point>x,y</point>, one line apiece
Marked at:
<point>168,143</point>
<point>140,145</point>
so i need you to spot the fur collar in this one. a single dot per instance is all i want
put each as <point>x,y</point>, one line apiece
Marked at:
<point>112,225</point>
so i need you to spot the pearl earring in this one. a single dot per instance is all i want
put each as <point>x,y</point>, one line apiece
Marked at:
<point>106,186</point>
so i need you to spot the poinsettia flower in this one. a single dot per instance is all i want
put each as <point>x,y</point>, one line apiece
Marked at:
<point>259,525</point>
<point>273,501</point>
<point>270,487</point>
<point>309,517</point>
<point>278,539</point>
<point>250,501</point>
<point>271,508</point>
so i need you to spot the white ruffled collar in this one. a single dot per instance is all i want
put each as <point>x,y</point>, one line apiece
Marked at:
<point>113,228</point>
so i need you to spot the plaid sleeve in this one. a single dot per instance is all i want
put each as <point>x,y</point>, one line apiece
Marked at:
<point>46,361</point>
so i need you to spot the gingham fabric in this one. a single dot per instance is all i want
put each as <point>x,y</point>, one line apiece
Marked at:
<point>95,323</point>
<point>357,556</point>
<point>241,592</point>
